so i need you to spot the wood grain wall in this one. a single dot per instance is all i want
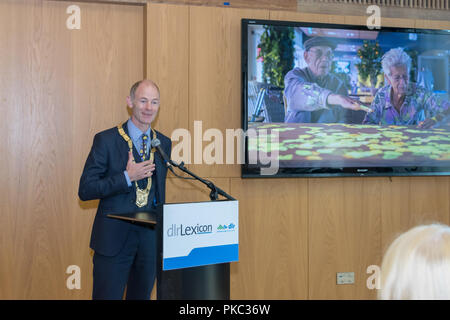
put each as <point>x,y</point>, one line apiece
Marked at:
<point>58,87</point>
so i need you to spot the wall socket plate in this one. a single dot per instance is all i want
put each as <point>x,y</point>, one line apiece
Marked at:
<point>345,278</point>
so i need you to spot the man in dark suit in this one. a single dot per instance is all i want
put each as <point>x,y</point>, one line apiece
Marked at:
<point>125,173</point>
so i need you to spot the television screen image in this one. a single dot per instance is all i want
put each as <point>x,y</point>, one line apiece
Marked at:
<point>343,100</point>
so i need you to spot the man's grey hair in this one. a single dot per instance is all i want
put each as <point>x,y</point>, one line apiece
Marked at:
<point>394,58</point>
<point>137,84</point>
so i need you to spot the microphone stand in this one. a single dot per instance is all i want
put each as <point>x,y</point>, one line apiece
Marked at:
<point>215,191</point>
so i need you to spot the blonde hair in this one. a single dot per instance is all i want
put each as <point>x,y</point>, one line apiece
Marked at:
<point>417,265</point>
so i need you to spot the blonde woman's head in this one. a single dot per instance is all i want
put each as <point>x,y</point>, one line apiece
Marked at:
<point>417,265</point>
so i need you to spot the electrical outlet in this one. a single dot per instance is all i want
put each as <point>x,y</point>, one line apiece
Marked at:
<point>345,278</point>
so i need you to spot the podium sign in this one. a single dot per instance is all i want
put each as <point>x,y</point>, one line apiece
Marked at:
<point>200,233</point>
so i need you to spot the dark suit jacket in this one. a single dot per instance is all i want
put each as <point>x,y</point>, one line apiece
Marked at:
<point>103,178</point>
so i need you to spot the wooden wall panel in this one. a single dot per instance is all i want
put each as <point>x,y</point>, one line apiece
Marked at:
<point>334,18</point>
<point>180,190</point>
<point>430,24</point>
<point>344,234</point>
<point>352,221</point>
<point>59,87</point>
<point>435,4</point>
<point>108,57</point>
<point>16,118</point>
<point>408,202</point>
<point>167,39</point>
<point>306,17</point>
<point>214,75</point>
<point>167,63</point>
<point>266,4</point>
<point>273,253</point>
<point>390,9</point>
<point>38,140</point>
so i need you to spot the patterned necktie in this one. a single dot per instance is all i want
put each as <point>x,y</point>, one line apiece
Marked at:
<point>143,151</point>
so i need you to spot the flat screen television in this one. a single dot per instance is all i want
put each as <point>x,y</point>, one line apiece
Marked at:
<point>295,76</point>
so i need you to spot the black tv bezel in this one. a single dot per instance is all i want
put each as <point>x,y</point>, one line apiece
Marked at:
<point>323,172</point>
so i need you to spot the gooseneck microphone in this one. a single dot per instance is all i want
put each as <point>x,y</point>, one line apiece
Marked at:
<point>157,144</point>
<point>215,191</point>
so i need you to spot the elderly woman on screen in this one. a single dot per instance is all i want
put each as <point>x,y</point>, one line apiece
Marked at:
<point>401,102</point>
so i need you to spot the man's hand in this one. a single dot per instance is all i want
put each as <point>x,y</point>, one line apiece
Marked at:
<point>347,103</point>
<point>426,124</point>
<point>141,170</point>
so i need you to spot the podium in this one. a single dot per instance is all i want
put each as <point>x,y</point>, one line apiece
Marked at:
<point>195,244</point>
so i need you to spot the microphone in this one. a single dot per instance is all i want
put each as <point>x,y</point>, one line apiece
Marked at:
<point>157,144</point>
<point>214,190</point>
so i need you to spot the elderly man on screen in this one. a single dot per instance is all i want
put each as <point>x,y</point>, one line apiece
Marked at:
<point>401,102</point>
<point>313,95</point>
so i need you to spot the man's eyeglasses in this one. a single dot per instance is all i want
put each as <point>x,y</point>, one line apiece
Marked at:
<point>320,53</point>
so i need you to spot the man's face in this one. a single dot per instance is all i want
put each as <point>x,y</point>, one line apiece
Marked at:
<point>398,80</point>
<point>145,105</point>
<point>319,60</point>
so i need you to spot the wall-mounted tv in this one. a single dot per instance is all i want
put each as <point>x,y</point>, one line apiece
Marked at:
<point>321,100</point>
